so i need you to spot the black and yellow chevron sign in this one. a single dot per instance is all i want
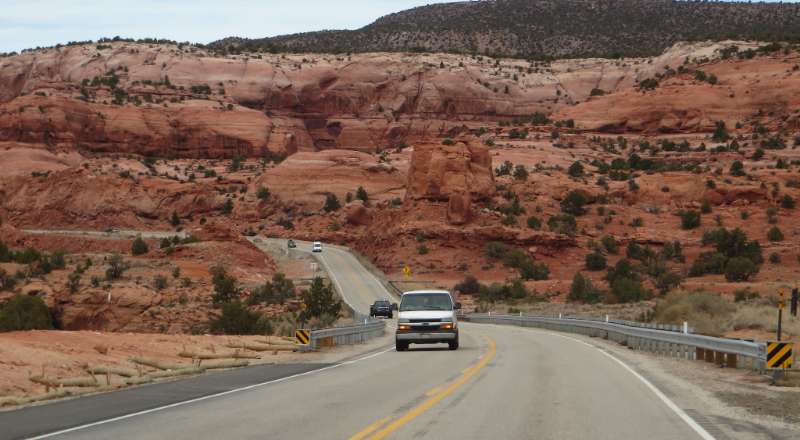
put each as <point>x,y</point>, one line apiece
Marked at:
<point>303,336</point>
<point>779,354</point>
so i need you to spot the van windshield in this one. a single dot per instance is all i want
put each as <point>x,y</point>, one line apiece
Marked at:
<point>426,301</point>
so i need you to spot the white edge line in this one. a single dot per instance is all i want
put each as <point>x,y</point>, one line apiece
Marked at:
<point>210,396</point>
<point>667,401</point>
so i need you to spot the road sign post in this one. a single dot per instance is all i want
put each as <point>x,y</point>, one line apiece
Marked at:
<point>795,299</point>
<point>781,305</point>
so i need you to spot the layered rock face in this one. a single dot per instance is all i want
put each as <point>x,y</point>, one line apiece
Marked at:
<point>456,173</point>
<point>170,101</point>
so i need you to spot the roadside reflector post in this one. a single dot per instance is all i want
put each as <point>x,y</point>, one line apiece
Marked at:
<point>559,316</point>
<point>685,327</point>
<point>606,318</point>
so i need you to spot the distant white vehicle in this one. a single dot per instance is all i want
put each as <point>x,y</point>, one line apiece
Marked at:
<point>316,247</point>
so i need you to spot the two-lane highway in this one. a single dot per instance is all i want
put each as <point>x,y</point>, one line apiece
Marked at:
<point>358,286</point>
<point>504,383</point>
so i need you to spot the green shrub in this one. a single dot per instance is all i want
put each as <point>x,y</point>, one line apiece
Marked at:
<point>708,262</point>
<point>236,319</point>
<point>495,250</point>
<point>361,194</point>
<point>774,258</point>
<point>705,207</point>
<point>627,290</point>
<point>469,286</point>
<point>25,312</point>
<point>775,234</point>
<point>139,247</point>
<point>668,281</point>
<point>582,290</point>
<point>160,282</point>
<point>276,291</point>
<point>689,219</point>
<point>740,269</point>
<point>319,300</point>
<point>74,281</point>
<point>787,202</point>
<point>595,261</point>
<point>116,267</point>
<point>576,169</point>
<point>574,203</point>
<point>515,257</point>
<point>737,168</point>
<point>331,203</point>
<point>262,193</point>
<point>226,287</point>
<point>422,249</point>
<point>610,244</point>
<point>534,223</point>
<point>520,172</point>
<point>27,256</point>
<point>529,270</point>
<point>562,224</point>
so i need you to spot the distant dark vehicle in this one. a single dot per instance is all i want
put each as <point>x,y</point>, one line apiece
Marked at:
<point>290,244</point>
<point>382,308</point>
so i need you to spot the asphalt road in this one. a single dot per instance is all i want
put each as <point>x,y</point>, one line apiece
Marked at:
<point>504,383</point>
<point>358,287</point>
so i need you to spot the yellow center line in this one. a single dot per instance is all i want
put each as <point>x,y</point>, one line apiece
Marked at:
<point>433,400</point>
<point>433,391</point>
<point>370,429</point>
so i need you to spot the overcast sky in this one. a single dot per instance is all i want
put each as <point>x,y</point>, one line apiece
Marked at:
<point>30,23</point>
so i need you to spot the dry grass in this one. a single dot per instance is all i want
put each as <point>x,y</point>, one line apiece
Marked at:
<point>712,314</point>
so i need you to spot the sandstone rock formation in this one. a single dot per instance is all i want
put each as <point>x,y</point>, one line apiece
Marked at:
<point>170,101</point>
<point>438,171</point>
<point>355,213</point>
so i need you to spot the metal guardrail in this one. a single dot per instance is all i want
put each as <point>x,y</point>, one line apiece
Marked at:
<point>727,352</point>
<point>347,335</point>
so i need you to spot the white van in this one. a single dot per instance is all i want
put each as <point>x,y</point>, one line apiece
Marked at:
<point>427,317</point>
<point>316,247</point>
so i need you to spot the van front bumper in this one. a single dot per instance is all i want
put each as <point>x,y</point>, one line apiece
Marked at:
<point>427,337</point>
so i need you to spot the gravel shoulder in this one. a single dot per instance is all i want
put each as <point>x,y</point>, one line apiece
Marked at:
<point>728,403</point>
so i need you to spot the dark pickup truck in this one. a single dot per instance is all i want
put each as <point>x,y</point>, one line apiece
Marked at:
<point>381,308</point>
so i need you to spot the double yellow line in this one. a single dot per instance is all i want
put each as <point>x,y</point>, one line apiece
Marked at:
<point>380,429</point>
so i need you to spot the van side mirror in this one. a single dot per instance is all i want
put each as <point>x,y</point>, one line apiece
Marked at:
<point>458,305</point>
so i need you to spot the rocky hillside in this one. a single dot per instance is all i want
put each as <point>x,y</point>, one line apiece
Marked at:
<point>541,29</point>
<point>168,100</point>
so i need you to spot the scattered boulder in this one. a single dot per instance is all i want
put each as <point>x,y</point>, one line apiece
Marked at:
<point>356,213</point>
<point>438,170</point>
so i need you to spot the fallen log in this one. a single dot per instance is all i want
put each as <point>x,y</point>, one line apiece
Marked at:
<point>161,365</point>
<point>110,369</point>
<point>65,382</point>
<point>229,355</point>
<point>216,364</point>
<point>261,347</point>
